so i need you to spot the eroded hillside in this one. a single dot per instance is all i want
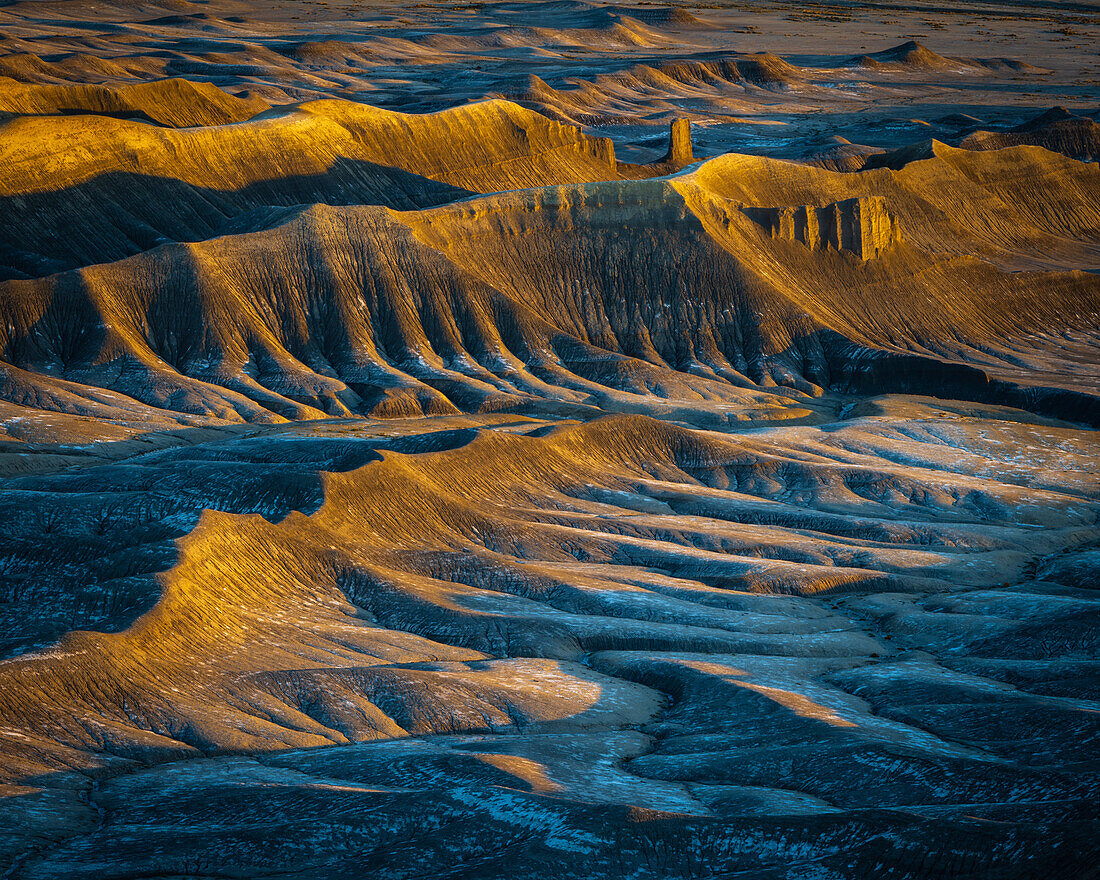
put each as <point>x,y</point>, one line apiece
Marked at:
<point>476,443</point>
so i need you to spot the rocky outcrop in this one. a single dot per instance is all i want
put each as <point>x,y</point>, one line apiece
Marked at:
<point>860,226</point>
<point>679,144</point>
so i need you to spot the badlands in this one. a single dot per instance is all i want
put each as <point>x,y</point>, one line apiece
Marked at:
<point>526,439</point>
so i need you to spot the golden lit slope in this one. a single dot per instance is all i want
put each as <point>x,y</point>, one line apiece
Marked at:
<point>84,189</point>
<point>1023,207</point>
<point>488,146</point>
<point>696,287</point>
<point>426,494</point>
<point>370,618</point>
<point>175,102</point>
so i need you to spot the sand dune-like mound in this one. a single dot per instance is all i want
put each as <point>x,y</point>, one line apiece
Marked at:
<point>549,26</point>
<point>175,102</point>
<point>580,14</point>
<point>843,156</point>
<point>611,30</point>
<point>227,631</point>
<point>1056,129</point>
<point>660,15</point>
<point>911,54</point>
<point>607,97</point>
<point>915,56</point>
<point>763,69</point>
<point>28,67</point>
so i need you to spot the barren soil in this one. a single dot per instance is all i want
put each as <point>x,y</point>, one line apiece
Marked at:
<point>531,439</point>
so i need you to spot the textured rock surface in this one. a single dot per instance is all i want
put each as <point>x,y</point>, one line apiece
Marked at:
<point>403,480</point>
<point>861,226</point>
<point>490,304</point>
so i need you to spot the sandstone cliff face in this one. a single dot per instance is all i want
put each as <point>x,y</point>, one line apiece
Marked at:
<point>860,226</point>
